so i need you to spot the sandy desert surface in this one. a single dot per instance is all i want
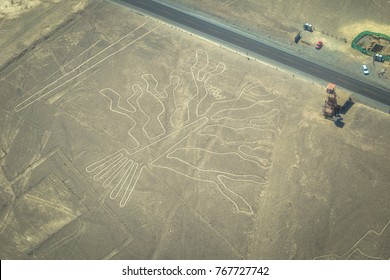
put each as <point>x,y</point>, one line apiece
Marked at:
<point>26,23</point>
<point>124,138</point>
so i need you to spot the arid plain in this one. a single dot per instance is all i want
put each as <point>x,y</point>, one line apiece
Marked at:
<point>125,138</point>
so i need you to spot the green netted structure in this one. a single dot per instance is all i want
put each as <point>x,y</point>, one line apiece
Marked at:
<point>361,49</point>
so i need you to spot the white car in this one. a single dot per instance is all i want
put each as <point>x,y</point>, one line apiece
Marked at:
<point>365,69</point>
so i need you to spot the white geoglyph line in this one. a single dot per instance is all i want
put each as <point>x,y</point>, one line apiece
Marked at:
<point>140,107</point>
<point>240,180</point>
<point>264,162</point>
<point>119,248</point>
<point>219,69</point>
<point>269,115</point>
<point>243,122</point>
<point>246,89</point>
<point>238,130</point>
<point>110,168</point>
<point>162,104</point>
<point>217,182</point>
<point>257,147</point>
<point>158,100</point>
<point>171,78</point>
<point>176,104</point>
<point>150,94</point>
<point>193,68</point>
<point>266,115</point>
<point>37,96</point>
<point>132,183</point>
<point>211,152</point>
<point>207,75</point>
<point>55,59</point>
<point>238,208</point>
<point>204,67</point>
<point>100,163</point>
<point>197,89</point>
<point>110,164</point>
<point>210,181</point>
<point>114,103</point>
<point>115,170</point>
<point>115,100</point>
<point>154,90</point>
<point>368,256</point>
<point>355,248</point>
<point>47,203</point>
<point>202,121</point>
<point>137,90</point>
<point>108,47</point>
<point>83,52</point>
<point>125,176</point>
<point>118,165</point>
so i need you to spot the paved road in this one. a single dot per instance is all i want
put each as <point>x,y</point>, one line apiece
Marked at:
<point>376,93</point>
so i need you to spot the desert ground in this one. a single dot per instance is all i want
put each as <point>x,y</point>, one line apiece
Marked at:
<point>125,138</point>
<point>26,23</point>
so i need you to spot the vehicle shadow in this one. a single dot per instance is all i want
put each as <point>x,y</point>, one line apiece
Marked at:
<point>339,122</point>
<point>348,105</point>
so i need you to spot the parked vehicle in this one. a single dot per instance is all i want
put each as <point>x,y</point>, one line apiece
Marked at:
<point>379,57</point>
<point>319,45</point>
<point>365,69</point>
<point>308,27</point>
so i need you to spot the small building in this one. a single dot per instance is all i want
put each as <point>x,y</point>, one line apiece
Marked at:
<point>331,88</point>
<point>335,103</point>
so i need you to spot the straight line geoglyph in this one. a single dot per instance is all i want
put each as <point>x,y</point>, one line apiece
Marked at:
<point>76,72</point>
<point>84,52</point>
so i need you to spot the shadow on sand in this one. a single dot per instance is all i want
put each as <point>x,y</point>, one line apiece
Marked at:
<point>348,105</point>
<point>339,122</point>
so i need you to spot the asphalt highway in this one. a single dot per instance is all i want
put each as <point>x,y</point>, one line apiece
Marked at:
<point>239,40</point>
